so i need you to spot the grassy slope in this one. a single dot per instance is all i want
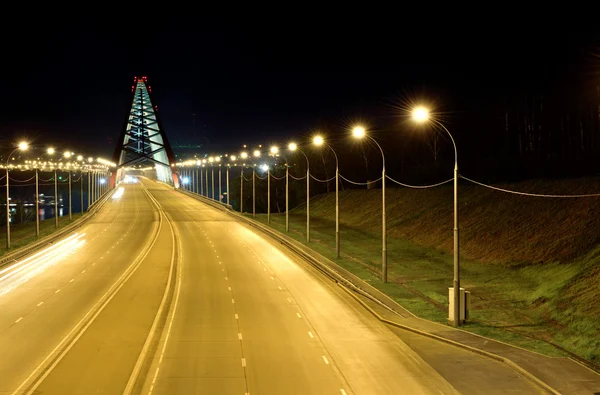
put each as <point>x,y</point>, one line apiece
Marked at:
<point>530,263</point>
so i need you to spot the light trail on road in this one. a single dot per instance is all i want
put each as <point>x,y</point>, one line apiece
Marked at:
<point>24,270</point>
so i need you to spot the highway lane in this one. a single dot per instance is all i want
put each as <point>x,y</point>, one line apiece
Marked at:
<point>249,318</point>
<point>43,298</point>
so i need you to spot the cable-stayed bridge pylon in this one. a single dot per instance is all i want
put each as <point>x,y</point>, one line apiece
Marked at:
<point>143,147</point>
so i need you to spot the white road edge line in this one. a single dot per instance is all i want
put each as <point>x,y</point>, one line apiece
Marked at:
<point>20,318</point>
<point>325,360</point>
<point>342,391</point>
<point>298,314</point>
<point>311,335</point>
<point>114,288</point>
<point>138,366</point>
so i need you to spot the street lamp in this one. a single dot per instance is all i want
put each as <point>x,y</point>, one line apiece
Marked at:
<point>319,141</point>
<point>359,132</point>
<point>294,147</point>
<point>273,151</point>
<point>421,115</point>
<point>22,146</point>
<point>256,154</point>
<point>232,158</point>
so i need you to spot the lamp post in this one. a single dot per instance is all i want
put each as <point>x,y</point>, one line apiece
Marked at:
<point>359,132</point>
<point>212,181</point>
<point>421,115</point>
<point>22,146</point>
<point>206,178</point>
<point>319,141</point>
<point>220,190</point>
<point>256,154</point>
<point>232,158</point>
<point>68,155</point>
<point>55,199</point>
<point>287,196</point>
<point>294,147</point>
<point>37,203</point>
<point>201,180</point>
<point>81,190</point>
<point>273,151</point>
<point>243,155</point>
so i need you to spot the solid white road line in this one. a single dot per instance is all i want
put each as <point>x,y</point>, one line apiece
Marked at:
<point>325,360</point>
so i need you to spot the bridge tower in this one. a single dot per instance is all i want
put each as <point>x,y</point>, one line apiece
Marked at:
<point>143,147</point>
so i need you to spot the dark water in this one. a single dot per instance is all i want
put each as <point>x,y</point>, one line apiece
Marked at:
<point>23,208</point>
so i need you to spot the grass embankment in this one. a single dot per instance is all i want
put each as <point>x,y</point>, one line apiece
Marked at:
<point>23,234</point>
<point>531,264</point>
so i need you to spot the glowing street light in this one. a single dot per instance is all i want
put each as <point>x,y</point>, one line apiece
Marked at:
<point>256,153</point>
<point>244,155</point>
<point>292,146</point>
<point>421,115</point>
<point>23,145</point>
<point>274,150</point>
<point>50,151</point>
<point>318,140</point>
<point>67,154</point>
<point>359,132</point>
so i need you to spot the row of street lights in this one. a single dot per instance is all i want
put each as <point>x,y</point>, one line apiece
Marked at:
<point>97,174</point>
<point>419,115</point>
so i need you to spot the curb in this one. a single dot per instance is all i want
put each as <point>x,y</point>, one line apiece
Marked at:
<point>496,357</point>
<point>345,284</point>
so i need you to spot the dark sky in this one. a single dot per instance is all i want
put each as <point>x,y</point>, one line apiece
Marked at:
<point>72,85</point>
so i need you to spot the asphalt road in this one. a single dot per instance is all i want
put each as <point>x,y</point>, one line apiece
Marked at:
<point>44,297</point>
<point>187,300</point>
<point>247,318</point>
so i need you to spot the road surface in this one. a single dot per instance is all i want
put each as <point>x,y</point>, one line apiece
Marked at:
<point>247,318</point>
<point>186,300</point>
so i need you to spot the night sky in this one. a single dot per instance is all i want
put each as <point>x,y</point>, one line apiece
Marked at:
<point>234,86</point>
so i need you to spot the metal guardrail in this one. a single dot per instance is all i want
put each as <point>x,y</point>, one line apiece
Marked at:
<point>321,263</point>
<point>44,241</point>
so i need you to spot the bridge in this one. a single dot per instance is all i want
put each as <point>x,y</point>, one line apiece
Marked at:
<point>163,287</point>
